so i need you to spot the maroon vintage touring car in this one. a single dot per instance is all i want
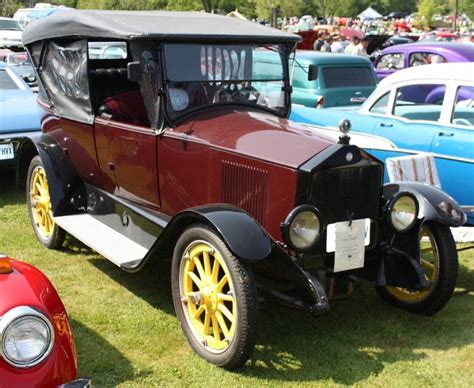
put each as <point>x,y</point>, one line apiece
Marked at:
<point>177,145</point>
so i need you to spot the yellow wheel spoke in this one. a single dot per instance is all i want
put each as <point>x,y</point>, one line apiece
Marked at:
<point>215,271</point>
<point>222,282</point>
<point>215,328</point>
<point>427,264</point>
<point>428,249</point>
<point>207,263</point>
<point>222,324</point>
<point>194,278</point>
<point>199,267</point>
<point>225,297</point>
<point>199,312</point>
<point>226,312</point>
<point>207,323</point>
<point>39,188</point>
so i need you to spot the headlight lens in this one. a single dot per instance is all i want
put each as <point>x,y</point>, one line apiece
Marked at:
<point>403,212</point>
<point>27,338</point>
<point>304,228</point>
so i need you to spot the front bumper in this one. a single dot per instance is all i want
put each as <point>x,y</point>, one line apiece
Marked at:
<point>79,383</point>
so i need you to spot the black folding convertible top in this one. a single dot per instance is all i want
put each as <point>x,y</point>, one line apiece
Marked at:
<point>163,25</point>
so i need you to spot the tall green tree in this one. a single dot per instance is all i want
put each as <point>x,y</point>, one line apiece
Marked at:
<point>429,8</point>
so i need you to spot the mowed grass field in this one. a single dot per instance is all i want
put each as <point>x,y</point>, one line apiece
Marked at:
<point>126,332</point>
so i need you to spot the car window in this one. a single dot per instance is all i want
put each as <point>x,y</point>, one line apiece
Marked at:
<point>420,59</point>
<point>10,25</point>
<point>107,50</point>
<point>381,104</point>
<point>464,107</point>
<point>390,62</point>
<point>337,77</point>
<point>420,102</point>
<point>6,82</point>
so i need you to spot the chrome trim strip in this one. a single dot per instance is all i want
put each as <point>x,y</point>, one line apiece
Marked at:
<point>21,312</point>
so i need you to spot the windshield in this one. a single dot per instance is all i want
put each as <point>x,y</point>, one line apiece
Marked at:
<point>203,75</point>
<point>11,25</point>
<point>20,59</point>
<point>6,82</point>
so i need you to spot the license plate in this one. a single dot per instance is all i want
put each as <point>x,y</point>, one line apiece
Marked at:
<point>7,151</point>
<point>348,243</point>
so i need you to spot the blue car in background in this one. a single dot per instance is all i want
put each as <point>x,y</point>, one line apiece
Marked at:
<point>427,109</point>
<point>19,115</point>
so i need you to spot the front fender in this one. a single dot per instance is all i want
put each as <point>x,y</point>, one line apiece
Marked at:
<point>435,204</point>
<point>244,237</point>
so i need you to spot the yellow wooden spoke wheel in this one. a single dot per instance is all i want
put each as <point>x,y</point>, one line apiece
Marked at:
<point>439,260</point>
<point>208,296</point>
<point>39,206</point>
<point>215,298</point>
<point>41,202</point>
<point>430,262</point>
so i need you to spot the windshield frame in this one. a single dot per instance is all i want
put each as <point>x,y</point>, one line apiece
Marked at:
<point>285,52</point>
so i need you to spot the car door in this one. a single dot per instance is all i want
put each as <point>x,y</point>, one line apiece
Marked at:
<point>453,146</point>
<point>411,121</point>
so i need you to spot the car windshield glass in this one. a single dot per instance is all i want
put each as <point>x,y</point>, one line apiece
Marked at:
<point>18,59</point>
<point>341,77</point>
<point>6,82</point>
<point>11,25</point>
<point>200,75</point>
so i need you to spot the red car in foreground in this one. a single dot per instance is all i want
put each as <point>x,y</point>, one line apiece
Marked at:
<point>36,343</point>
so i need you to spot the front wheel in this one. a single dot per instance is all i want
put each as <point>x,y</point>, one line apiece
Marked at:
<point>38,200</point>
<point>439,260</point>
<point>215,298</point>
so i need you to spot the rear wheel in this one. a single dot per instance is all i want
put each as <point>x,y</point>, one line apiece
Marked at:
<point>439,260</point>
<point>39,207</point>
<point>214,297</point>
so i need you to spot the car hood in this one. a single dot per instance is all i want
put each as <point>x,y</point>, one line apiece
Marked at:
<point>258,135</point>
<point>328,117</point>
<point>19,112</point>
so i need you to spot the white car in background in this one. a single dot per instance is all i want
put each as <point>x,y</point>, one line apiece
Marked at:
<point>10,33</point>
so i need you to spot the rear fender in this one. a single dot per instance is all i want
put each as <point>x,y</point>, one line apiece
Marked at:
<point>66,188</point>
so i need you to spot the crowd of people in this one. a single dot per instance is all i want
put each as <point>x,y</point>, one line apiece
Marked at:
<point>337,43</point>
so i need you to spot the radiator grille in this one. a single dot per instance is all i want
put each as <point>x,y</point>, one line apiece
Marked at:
<point>338,192</point>
<point>245,187</point>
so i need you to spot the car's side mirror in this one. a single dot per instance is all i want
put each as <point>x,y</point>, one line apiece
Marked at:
<point>312,72</point>
<point>134,71</point>
<point>29,78</point>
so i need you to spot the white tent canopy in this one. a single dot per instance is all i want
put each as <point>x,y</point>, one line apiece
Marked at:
<point>369,13</point>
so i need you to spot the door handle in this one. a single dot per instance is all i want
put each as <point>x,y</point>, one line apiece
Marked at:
<point>111,166</point>
<point>386,125</point>
<point>446,134</point>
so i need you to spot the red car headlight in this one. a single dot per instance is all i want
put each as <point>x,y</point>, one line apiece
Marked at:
<point>27,337</point>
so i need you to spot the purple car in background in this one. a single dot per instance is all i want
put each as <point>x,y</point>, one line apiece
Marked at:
<point>417,54</point>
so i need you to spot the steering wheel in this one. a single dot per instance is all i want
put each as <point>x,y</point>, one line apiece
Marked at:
<point>232,93</point>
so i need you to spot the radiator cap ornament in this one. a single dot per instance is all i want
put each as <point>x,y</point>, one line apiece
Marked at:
<point>344,127</point>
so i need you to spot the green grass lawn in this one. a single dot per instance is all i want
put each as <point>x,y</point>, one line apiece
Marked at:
<point>126,332</point>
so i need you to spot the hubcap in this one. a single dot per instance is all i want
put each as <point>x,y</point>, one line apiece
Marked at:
<point>430,263</point>
<point>207,296</point>
<point>41,202</point>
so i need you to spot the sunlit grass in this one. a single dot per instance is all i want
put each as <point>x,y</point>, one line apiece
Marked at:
<point>127,334</point>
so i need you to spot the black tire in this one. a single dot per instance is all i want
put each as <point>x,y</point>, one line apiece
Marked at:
<point>55,238</point>
<point>244,295</point>
<point>442,289</point>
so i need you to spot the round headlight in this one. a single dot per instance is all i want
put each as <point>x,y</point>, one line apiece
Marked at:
<point>403,212</point>
<point>27,337</point>
<point>302,227</point>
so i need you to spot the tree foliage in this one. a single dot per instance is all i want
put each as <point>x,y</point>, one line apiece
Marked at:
<point>429,8</point>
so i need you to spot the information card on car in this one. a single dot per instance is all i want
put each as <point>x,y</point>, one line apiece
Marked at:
<point>348,241</point>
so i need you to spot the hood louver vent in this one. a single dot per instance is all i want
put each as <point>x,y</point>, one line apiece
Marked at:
<point>245,187</point>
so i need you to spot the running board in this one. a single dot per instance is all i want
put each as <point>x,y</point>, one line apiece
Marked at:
<point>106,241</point>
